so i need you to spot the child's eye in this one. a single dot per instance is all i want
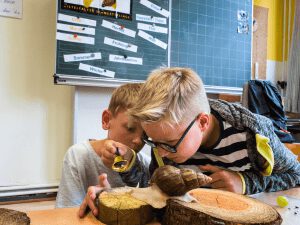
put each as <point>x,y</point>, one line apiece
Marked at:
<point>131,129</point>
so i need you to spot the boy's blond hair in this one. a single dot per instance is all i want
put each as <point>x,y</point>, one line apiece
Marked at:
<point>173,95</point>
<point>124,97</point>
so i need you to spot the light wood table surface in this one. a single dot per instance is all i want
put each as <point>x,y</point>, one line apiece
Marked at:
<point>68,216</point>
<point>290,214</point>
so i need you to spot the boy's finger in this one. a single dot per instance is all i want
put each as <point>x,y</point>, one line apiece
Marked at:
<point>218,184</point>
<point>210,168</point>
<point>82,208</point>
<point>103,182</point>
<point>93,208</point>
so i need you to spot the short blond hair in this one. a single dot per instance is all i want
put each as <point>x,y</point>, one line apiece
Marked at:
<point>124,97</point>
<point>173,95</point>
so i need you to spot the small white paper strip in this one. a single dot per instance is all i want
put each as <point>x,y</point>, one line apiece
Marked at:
<point>118,28</point>
<point>122,59</point>
<point>150,38</point>
<point>155,8</point>
<point>76,29</point>
<point>153,28</point>
<point>120,44</point>
<point>78,20</point>
<point>82,57</point>
<point>96,70</point>
<point>150,19</point>
<point>75,38</point>
<point>11,8</point>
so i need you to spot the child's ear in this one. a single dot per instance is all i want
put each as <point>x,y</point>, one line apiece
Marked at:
<point>106,116</point>
<point>204,121</point>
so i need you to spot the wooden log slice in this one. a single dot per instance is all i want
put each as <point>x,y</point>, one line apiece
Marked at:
<point>216,207</point>
<point>13,217</point>
<point>123,209</point>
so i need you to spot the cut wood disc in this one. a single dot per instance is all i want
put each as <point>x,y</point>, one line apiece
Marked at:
<point>220,207</point>
<point>123,209</point>
<point>13,217</point>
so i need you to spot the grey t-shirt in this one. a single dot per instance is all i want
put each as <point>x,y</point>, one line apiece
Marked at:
<point>81,168</point>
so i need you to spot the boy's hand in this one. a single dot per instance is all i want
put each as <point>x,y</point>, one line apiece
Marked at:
<point>106,149</point>
<point>224,179</point>
<point>89,200</point>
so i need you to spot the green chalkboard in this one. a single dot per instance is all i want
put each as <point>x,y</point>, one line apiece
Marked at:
<point>103,45</point>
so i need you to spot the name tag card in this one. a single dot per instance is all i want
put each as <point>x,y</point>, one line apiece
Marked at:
<point>155,8</point>
<point>123,59</point>
<point>75,38</point>
<point>150,19</point>
<point>82,57</point>
<point>118,28</point>
<point>150,38</point>
<point>76,29</point>
<point>78,20</point>
<point>96,70</point>
<point>153,28</point>
<point>120,44</point>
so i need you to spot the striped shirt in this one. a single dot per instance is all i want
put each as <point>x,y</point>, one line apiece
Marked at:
<point>230,151</point>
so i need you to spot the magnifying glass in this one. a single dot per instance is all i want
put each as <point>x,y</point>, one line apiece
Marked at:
<point>125,162</point>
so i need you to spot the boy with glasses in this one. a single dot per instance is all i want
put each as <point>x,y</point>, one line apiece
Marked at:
<point>185,129</point>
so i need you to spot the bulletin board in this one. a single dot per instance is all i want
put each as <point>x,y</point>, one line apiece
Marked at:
<point>108,42</point>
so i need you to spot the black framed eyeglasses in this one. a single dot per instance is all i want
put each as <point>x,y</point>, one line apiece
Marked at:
<point>169,148</point>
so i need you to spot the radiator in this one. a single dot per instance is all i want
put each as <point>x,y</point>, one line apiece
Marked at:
<point>8,191</point>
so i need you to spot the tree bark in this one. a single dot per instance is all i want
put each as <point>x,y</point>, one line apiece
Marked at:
<point>13,217</point>
<point>216,207</point>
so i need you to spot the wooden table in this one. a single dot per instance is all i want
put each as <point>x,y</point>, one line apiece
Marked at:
<point>290,214</point>
<point>65,216</point>
<point>68,216</point>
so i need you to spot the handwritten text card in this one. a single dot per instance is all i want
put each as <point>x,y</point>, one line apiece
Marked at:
<point>11,8</point>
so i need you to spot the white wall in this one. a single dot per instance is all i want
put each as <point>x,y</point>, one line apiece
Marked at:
<point>36,117</point>
<point>89,105</point>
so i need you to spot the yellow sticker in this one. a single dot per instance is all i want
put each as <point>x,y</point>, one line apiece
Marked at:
<point>87,3</point>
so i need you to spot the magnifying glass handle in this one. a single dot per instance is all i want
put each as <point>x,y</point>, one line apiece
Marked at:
<point>117,151</point>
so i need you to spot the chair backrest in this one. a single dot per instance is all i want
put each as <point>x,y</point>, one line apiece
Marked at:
<point>295,148</point>
<point>262,97</point>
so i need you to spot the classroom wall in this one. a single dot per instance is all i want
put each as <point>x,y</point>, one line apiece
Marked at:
<point>276,56</point>
<point>36,117</point>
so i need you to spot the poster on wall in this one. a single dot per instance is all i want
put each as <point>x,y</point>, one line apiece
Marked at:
<point>120,9</point>
<point>11,8</point>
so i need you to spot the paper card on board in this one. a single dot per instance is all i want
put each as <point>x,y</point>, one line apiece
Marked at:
<point>96,70</point>
<point>152,27</point>
<point>75,29</point>
<point>155,8</point>
<point>125,59</point>
<point>75,38</point>
<point>77,20</point>
<point>120,44</point>
<point>82,57</point>
<point>152,39</point>
<point>118,28</point>
<point>150,19</point>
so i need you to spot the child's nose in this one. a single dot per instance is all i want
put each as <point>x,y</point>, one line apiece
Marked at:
<point>137,140</point>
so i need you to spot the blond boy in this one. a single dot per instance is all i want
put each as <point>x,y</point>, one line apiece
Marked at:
<point>238,148</point>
